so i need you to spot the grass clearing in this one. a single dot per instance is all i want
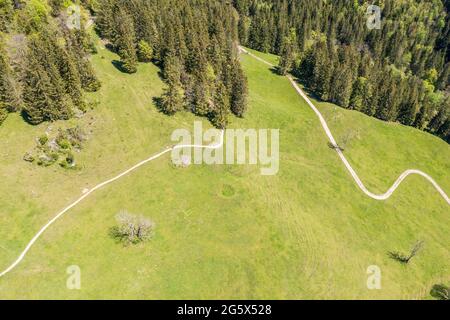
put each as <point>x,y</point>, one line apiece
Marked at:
<point>225,231</point>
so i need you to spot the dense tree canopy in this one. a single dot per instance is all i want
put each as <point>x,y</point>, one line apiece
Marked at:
<point>399,72</point>
<point>44,64</point>
<point>194,42</point>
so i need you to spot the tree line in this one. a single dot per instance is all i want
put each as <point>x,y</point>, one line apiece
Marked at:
<point>193,41</point>
<point>44,65</point>
<point>399,72</point>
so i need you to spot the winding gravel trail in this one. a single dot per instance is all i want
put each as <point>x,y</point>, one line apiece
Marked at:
<point>355,176</point>
<point>99,186</point>
<point>327,130</point>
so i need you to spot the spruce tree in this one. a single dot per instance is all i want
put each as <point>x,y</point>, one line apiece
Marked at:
<point>126,42</point>
<point>342,89</point>
<point>145,51</point>
<point>89,81</point>
<point>323,71</point>
<point>172,68</point>
<point>288,53</point>
<point>172,99</point>
<point>8,97</point>
<point>105,18</point>
<point>202,96</point>
<point>69,73</point>
<point>38,94</point>
<point>361,94</point>
<point>221,109</point>
<point>6,14</point>
<point>3,112</point>
<point>438,120</point>
<point>239,91</point>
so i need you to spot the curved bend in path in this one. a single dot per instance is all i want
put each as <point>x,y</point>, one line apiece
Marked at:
<point>355,176</point>
<point>99,186</point>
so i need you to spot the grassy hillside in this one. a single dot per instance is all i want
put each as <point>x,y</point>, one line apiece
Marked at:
<point>306,233</point>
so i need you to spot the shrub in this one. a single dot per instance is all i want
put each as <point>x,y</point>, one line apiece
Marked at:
<point>68,162</point>
<point>62,140</point>
<point>145,51</point>
<point>48,159</point>
<point>76,136</point>
<point>440,292</point>
<point>132,229</point>
<point>43,140</point>
<point>63,143</point>
<point>49,150</point>
<point>28,157</point>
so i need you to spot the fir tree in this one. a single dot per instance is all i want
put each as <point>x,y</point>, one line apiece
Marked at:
<point>239,92</point>
<point>38,94</point>
<point>8,96</point>
<point>126,42</point>
<point>172,99</point>
<point>288,53</point>
<point>220,112</point>
<point>89,80</point>
<point>6,14</point>
<point>361,94</point>
<point>145,51</point>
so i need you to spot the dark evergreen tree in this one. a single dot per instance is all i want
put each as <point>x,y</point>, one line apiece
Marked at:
<point>288,53</point>
<point>239,91</point>
<point>8,95</point>
<point>220,112</point>
<point>338,51</point>
<point>6,14</point>
<point>172,99</point>
<point>125,41</point>
<point>361,94</point>
<point>145,51</point>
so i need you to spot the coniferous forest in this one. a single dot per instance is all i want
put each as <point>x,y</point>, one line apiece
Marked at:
<point>45,66</point>
<point>399,72</point>
<point>195,42</point>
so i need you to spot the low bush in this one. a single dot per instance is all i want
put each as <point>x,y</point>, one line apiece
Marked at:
<point>43,140</point>
<point>440,292</point>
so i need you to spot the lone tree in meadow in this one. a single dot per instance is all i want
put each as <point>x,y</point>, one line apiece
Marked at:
<point>132,229</point>
<point>400,257</point>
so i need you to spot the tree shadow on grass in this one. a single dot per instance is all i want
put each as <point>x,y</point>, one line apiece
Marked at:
<point>117,236</point>
<point>110,47</point>
<point>307,90</point>
<point>26,117</point>
<point>275,70</point>
<point>397,256</point>
<point>119,66</point>
<point>158,102</point>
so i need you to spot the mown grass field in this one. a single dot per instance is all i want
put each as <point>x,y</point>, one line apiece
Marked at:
<point>224,232</point>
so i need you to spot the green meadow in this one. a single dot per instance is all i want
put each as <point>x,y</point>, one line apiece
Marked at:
<point>225,231</point>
